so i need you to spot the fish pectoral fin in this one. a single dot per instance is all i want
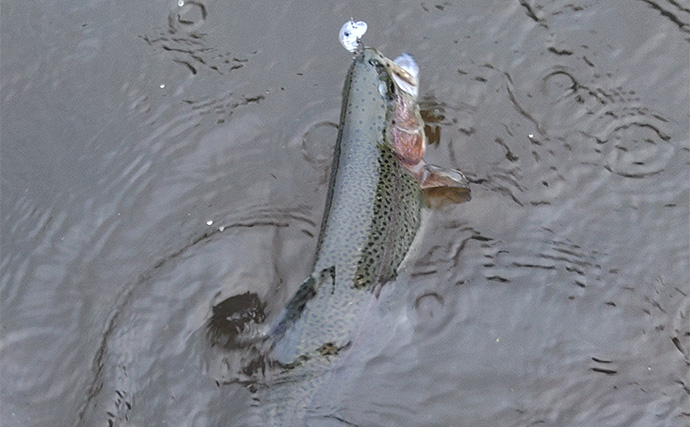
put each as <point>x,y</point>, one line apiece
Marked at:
<point>444,185</point>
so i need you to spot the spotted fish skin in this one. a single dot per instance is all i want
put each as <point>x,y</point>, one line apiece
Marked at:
<point>371,217</point>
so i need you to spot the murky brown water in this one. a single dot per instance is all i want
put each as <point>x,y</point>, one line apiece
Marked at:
<point>560,295</point>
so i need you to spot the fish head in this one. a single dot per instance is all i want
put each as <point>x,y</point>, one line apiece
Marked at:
<point>400,81</point>
<point>401,76</point>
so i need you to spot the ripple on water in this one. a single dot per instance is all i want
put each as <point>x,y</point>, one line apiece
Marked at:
<point>187,16</point>
<point>430,312</point>
<point>184,44</point>
<point>316,145</point>
<point>630,138</point>
<point>160,326</point>
<point>638,150</point>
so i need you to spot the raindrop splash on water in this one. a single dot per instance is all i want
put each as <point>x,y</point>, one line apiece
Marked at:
<point>187,16</point>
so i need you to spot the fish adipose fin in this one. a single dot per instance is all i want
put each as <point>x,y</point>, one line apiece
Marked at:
<point>442,186</point>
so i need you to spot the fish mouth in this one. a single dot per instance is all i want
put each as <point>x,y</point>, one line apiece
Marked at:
<point>405,73</point>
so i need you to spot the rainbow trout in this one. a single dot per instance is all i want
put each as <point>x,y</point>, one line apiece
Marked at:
<point>372,215</point>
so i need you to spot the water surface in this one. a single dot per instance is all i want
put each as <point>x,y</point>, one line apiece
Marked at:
<point>157,159</point>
